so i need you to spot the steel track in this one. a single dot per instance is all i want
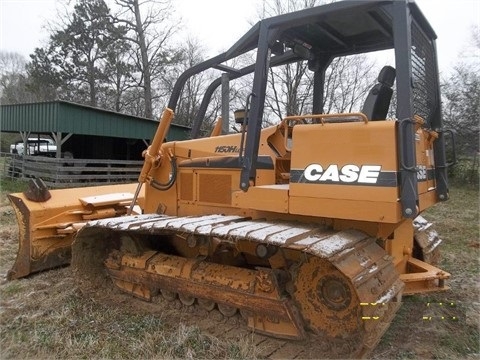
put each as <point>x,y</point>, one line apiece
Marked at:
<point>345,325</point>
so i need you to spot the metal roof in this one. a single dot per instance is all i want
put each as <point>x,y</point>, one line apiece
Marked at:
<point>336,29</point>
<point>68,117</point>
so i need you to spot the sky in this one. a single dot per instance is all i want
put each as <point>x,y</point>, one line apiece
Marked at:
<point>219,23</point>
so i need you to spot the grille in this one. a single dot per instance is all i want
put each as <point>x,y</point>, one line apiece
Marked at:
<point>424,75</point>
<point>186,186</point>
<point>214,188</point>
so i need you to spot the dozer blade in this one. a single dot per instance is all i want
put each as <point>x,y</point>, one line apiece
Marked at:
<point>48,221</point>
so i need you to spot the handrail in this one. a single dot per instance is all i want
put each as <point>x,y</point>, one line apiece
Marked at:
<point>401,136</point>
<point>322,117</point>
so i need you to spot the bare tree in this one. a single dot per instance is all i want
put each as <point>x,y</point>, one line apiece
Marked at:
<point>120,75</point>
<point>347,82</point>
<point>12,76</point>
<point>271,8</point>
<point>11,63</point>
<point>289,84</point>
<point>149,36</point>
<point>461,100</point>
<point>461,110</point>
<point>16,85</point>
<point>194,88</point>
<point>347,79</point>
<point>13,88</point>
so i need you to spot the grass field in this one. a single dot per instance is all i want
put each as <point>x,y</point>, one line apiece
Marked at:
<point>47,316</point>
<point>452,328</point>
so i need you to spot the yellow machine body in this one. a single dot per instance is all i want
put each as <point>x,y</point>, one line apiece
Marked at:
<point>355,186</point>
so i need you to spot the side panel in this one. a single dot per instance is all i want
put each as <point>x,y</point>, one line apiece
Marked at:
<point>345,170</point>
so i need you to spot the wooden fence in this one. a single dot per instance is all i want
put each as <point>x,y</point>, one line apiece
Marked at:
<point>66,172</point>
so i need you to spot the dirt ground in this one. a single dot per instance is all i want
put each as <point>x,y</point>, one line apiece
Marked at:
<point>47,316</point>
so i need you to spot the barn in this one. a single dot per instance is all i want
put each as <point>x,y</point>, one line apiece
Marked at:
<point>89,137</point>
<point>84,131</point>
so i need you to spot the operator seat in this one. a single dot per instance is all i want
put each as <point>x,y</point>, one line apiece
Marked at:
<point>378,99</point>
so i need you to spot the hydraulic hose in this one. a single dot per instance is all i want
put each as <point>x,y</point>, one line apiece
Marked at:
<point>165,186</point>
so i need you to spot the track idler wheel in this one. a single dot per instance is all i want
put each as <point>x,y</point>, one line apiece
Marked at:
<point>329,305</point>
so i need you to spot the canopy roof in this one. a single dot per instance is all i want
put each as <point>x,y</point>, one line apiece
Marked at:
<point>68,117</point>
<point>356,27</point>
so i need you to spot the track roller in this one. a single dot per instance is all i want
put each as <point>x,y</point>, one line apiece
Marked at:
<point>168,295</point>
<point>205,304</point>
<point>226,310</point>
<point>186,299</point>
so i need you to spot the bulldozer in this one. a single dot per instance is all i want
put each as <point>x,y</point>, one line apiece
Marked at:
<point>311,229</point>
